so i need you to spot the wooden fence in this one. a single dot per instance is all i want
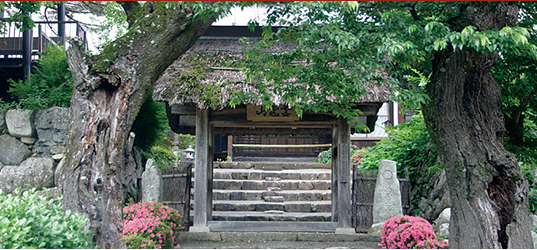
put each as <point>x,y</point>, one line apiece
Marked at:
<point>363,192</point>
<point>177,185</point>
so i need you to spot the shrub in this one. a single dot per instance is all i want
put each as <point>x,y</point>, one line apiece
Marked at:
<point>163,155</point>
<point>356,158</point>
<point>406,232</point>
<point>186,140</point>
<point>150,225</point>
<point>409,145</point>
<point>325,156</point>
<point>29,220</point>
<point>51,84</point>
<point>150,124</point>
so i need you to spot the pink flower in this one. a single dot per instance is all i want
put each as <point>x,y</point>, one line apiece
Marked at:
<point>409,232</point>
<point>147,220</point>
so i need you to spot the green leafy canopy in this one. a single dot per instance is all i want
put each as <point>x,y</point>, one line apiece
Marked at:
<point>342,46</point>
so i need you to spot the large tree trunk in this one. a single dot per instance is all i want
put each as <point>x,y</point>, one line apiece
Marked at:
<point>108,92</point>
<point>489,193</point>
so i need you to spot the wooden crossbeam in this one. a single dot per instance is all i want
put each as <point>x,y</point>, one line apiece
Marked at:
<point>282,146</point>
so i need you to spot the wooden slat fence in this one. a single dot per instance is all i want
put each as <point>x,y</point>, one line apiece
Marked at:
<point>177,185</point>
<point>363,192</point>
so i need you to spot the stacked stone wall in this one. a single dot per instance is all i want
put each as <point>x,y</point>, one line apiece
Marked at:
<point>31,144</point>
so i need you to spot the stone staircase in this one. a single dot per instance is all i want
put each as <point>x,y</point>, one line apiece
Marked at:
<point>270,191</point>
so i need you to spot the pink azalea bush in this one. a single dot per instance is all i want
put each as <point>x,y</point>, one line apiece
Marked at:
<point>357,156</point>
<point>150,225</point>
<point>406,232</point>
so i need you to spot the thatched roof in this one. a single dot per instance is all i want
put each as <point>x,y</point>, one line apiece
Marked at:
<point>205,76</point>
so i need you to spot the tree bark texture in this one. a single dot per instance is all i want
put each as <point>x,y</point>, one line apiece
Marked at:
<point>108,92</point>
<point>489,193</point>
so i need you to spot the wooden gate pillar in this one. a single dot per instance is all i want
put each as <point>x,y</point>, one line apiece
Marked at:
<point>204,173</point>
<point>341,178</point>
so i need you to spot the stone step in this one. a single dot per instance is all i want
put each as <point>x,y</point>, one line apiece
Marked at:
<point>220,239</point>
<point>270,165</point>
<point>270,216</point>
<point>254,174</point>
<point>228,184</point>
<point>261,206</point>
<point>288,195</point>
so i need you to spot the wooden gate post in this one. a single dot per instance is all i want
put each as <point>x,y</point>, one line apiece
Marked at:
<point>342,172</point>
<point>204,173</point>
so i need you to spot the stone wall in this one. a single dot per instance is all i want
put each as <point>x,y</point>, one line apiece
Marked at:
<point>31,145</point>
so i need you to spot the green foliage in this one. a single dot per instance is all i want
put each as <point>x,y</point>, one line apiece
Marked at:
<point>163,156</point>
<point>115,22</point>
<point>517,76</point>
<point>51,84</point>
<point>356,155</point>
<point>409,145</point>
<point>5,106</point>
<point>186,140</point>
<point>340,47</point>
<point>18,11</point>
<point>532,200</point>
<point>331,43</point>
<point>150,124</point>
<point>29,220</point>
<point>228,159</point>
<point>325,156</point>
<point>530,171</point>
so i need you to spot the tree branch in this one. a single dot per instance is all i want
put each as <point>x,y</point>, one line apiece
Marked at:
<point>413,12</point>
<point>128,7</point>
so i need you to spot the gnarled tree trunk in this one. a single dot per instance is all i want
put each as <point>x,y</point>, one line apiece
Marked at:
<point>108,92</point>
<point>488,190</point>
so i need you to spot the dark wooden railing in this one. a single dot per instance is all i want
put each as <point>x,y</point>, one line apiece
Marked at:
<point>43,33</point>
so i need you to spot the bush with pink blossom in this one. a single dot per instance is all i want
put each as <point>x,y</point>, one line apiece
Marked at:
<point>150,225</point>
<point>406,232</point>
<point>356,158</point>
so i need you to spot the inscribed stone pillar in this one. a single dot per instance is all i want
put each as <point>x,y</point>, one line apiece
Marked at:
<point>152,183</point>
<point>387,201</point>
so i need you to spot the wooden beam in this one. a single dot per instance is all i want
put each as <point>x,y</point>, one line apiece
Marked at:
<point>344,195</point>
<point>282,146</point>
<point>335,168</point>
<point>183,110</point>
<point>272,226</point>
<point>296,124</point>
<point>203,177</point>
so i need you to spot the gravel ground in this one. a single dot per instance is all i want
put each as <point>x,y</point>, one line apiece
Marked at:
<point>278,245</point>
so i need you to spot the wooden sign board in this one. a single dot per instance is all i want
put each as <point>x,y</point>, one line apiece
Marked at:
<point>278,113</point>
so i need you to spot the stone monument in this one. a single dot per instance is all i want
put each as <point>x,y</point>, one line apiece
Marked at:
<point>152,183</point>
<point>387,201</point>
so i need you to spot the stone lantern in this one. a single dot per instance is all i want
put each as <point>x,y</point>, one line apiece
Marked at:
<point>190,151</point>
